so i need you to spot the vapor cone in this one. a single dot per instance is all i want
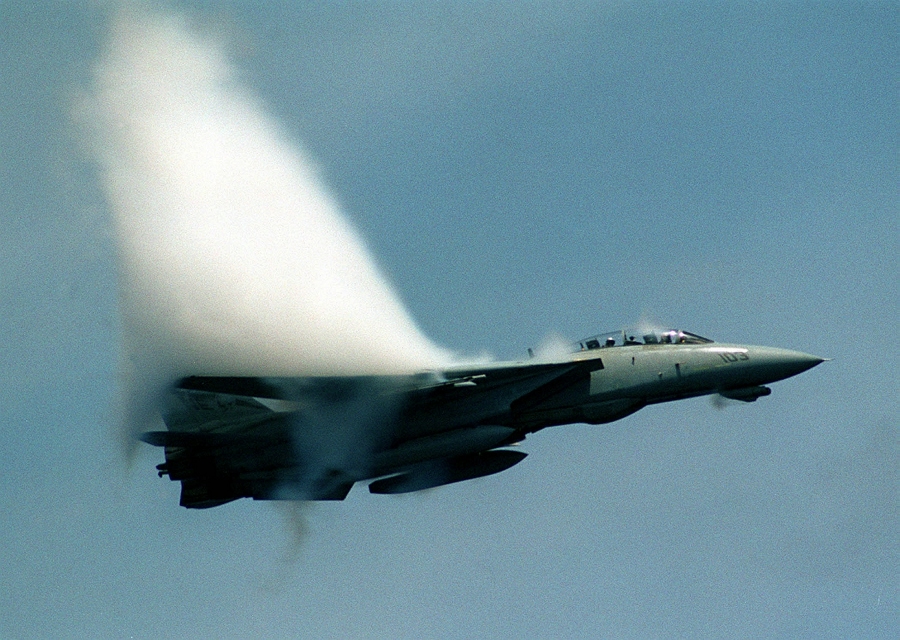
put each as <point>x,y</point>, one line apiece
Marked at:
<point>234,258</point>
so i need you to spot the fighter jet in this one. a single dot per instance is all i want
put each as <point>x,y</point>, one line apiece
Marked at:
<point>313,438</point>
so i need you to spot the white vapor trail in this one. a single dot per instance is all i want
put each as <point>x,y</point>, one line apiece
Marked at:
<point>235,260</point>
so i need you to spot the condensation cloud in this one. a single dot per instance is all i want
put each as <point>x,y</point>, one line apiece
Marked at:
<point>234,257</point>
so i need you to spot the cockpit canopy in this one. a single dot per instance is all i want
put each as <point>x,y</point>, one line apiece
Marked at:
<point>625,338</point>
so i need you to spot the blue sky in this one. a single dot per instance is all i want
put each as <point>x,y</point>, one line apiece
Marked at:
<point>517,170</point>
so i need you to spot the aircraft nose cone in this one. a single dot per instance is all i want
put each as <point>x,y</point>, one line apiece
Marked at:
<point>800,362</point>
<point>785,363</point>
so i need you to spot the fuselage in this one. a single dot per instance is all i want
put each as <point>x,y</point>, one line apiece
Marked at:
<point>601,385</point>
<point>312,438</point>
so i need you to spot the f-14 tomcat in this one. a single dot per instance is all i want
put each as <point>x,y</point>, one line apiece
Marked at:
<point>313,438</point>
